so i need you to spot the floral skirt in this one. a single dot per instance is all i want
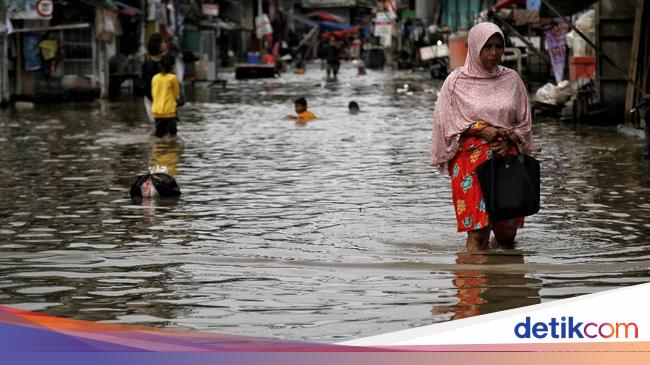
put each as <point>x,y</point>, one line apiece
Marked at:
<point>469,205</point>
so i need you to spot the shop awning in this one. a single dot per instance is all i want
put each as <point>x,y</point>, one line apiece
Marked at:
<point>127,9</point>
<point>303,19</point>
<point>327,16</point>
<point>340,33</point>
<point>335,26</point>
<point>506,4</point>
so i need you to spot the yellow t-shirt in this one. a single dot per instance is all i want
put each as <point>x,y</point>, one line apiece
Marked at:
<point>306,116</point>
<point>164,90</point>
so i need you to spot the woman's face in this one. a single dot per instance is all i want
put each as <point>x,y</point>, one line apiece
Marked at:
<point>491,52</point>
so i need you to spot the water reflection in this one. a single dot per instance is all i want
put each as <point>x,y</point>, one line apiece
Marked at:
<point>166,152</point>
<point>488,282</point>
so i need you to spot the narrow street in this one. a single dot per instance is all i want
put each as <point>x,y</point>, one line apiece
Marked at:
<point>330,231</point>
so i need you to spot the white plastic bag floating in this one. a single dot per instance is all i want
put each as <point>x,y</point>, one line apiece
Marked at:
<point>156,182</point>
<point>554,95</point>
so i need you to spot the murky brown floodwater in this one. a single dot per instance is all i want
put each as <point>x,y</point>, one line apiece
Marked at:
<point>325,232</point>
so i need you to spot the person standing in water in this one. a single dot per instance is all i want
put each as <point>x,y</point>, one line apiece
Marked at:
<point>332,55</point>
<point>482,110</point>
<point>156,48</point>
<point>165,90</point>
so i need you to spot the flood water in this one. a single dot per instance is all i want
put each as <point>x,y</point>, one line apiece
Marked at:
<point>326,232</point>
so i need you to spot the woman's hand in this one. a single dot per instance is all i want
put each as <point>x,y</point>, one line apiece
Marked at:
<point>500,146</point>
<point>491,133</point>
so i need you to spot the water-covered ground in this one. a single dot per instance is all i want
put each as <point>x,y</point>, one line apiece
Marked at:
<point>331,231</point>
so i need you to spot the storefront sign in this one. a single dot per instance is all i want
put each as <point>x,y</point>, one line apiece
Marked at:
<point>384,28</point>
<point>30,9</point>
<point>262,26</point>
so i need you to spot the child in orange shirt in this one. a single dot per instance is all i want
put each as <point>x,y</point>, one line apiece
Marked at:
<point>303,115</point>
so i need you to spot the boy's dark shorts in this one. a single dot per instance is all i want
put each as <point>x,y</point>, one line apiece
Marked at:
<point>166,126</point>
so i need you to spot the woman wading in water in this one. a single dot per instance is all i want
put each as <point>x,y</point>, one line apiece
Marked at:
<point>482,110</point>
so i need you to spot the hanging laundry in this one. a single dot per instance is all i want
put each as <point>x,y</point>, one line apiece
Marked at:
<point>107,25</point>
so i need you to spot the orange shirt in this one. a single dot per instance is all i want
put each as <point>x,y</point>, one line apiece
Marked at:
<point>306,116</point>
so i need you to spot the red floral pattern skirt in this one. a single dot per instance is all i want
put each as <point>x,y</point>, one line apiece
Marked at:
<point>469,205</point>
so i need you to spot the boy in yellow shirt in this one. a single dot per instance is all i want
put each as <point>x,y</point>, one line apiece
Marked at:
<point>303,115</point>
<point>165,89</point>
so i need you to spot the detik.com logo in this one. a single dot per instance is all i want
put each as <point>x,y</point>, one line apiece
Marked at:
<point>568,327</point>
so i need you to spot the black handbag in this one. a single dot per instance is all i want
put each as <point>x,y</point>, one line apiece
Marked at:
<point>510,186</point>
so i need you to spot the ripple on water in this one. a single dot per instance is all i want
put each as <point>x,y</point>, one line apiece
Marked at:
<point>44,289</point>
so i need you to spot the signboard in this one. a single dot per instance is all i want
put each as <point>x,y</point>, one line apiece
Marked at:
<point>30,9</point>
<point>383,25</point>
<point>210,9</point>
<point>262,26</point>
<point>44,8</point>
<point>384,28</point>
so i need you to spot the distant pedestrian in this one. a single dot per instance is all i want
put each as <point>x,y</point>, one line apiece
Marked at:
<point>332,58</point>
<point>361,69</point>
<point>300,63</point>
<point>302,114</point>
<point>156,48</point>
<point>482,110</point>
<point>165,90</point>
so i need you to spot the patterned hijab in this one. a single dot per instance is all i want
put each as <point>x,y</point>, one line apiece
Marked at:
<point>471,93</point>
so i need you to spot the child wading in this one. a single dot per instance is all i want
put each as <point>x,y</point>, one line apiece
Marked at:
<point>302,114</point>
<point>165,89</point>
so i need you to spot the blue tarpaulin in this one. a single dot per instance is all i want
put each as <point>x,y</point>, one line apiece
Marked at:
<point>334,26</point>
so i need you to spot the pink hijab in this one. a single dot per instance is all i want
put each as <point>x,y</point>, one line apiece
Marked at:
<point>473,93</point>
